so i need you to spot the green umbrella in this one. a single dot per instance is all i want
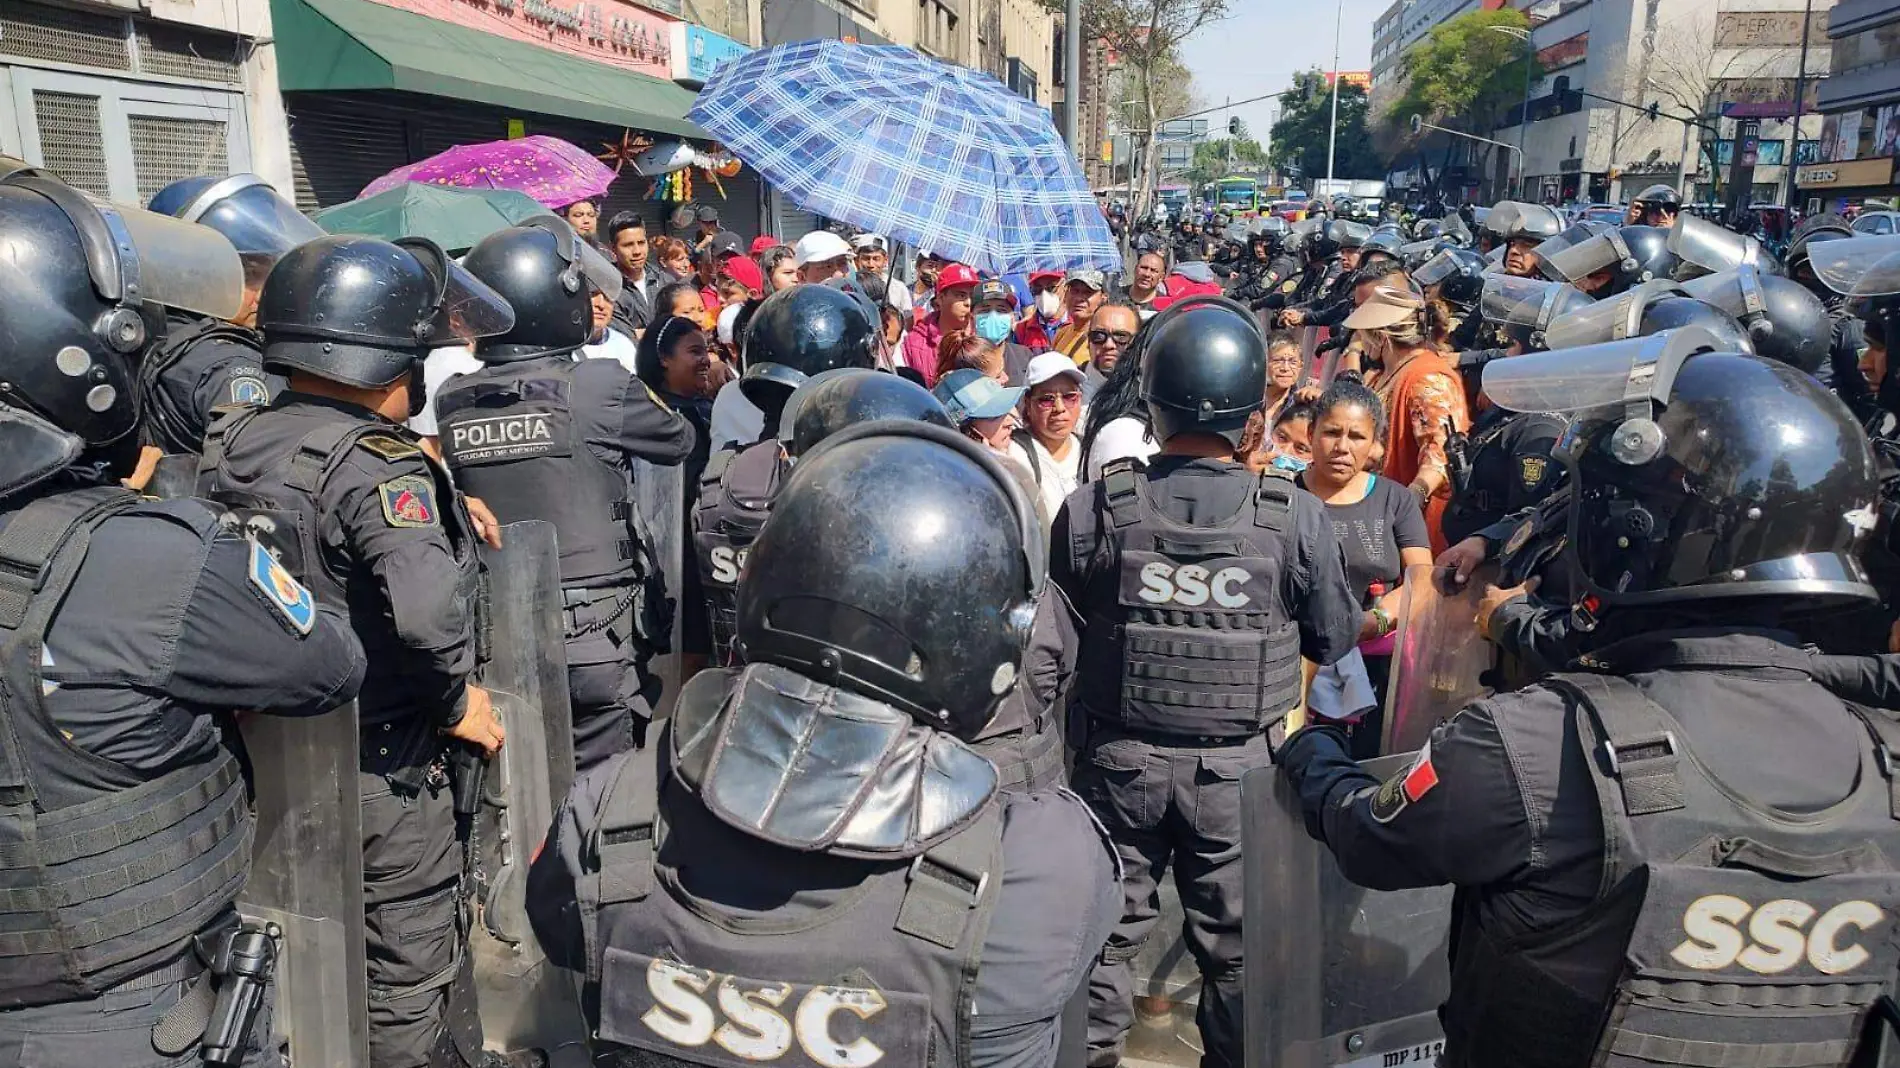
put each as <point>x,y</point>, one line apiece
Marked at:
<point>454,218</point>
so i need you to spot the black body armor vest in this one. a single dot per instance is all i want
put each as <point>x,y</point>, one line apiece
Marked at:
<point>1191,636</point>
<point>735,497</point>
<point>1727,935</point>
<point>105,874</point>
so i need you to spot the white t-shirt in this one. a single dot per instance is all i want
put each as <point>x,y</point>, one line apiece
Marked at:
<point>734,418</point>
<point>613,345</point>
<point>440,366</point>
<point>1056,479</point>
<point>1121,437</point>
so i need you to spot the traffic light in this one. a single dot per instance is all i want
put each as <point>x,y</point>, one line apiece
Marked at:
<point>1654,107</point>
<point>1233,126</point>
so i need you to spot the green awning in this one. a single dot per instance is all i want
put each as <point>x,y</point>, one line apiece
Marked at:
<point>333,45</point>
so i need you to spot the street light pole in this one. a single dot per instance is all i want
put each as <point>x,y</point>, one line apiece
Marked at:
<point>1072,70</point>
<point>1800,90</point>
<point>1332,133</point>
<point>1524,112</point>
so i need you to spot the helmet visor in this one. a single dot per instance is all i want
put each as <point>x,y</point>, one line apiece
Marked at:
<point>1606,320</point>
<point>1436,269</point>
<point>1576,234</point>
<point>1574,380</point>
<point>1588,256</point>
<point>1515,301</point>
<point>256,219</point>
<point>1862,266</point>
<point>1737,292</point>
<point>178,264</point>
<point>468,309</point>
<point>1709,246</point>
<point>1535,221</point>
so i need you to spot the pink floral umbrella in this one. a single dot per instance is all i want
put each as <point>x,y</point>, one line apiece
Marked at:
<point>546,168</point>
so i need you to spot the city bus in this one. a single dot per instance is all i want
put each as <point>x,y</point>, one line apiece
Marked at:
<point>1237,194</point>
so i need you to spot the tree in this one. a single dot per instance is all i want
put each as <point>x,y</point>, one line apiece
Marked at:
<point>1300,135</point>
<point>1211,158</point>
<point>1467,74</point>
<point>1148,35</point>
<point>1686,79</point>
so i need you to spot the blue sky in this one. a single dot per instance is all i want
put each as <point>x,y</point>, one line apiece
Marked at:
<point>1257,49</point>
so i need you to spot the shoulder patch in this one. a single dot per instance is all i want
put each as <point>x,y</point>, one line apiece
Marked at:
<point>389,448</point>
<point>248,391</point>
<point>1530,469</point>
<point>409,501</point>
<point>281,591</point>
<point>1405,788</point>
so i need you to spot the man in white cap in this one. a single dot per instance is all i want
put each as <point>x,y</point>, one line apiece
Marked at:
<point>821,256</point>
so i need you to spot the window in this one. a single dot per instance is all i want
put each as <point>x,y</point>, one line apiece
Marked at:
<point>126,140</point>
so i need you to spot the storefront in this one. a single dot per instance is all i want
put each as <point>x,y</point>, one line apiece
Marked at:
<point>1832,186</point>
<point>121,105</point>
<point>376,84</point>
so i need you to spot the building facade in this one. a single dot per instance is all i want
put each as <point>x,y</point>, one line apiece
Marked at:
<point>1860,104</point>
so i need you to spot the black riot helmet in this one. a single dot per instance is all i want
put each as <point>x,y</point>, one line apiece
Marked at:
<point>833,400</point>
<point>1785,321</point>
<point>1699,476</point>
<point>1457,272</point>
<point>1344,233</point>
<point>84,285</point>
<point>364,312</point>
<point>1631,255</point>
<point>1650,308</point>
<point>259,222</point>
<point>1382,245</point>
<point>1659,203</point>
<point>797,333</point>
<point>1526,307</point>
<point>548,275</point>
<point>1704,247</point>
<point>1812,231</point>
<point>1203,368</point>
<point>927,604</point>
<point>1427,229</point>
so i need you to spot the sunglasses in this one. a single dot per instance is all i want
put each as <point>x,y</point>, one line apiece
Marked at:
<point>1047,401</point>
<point>1102,337</point>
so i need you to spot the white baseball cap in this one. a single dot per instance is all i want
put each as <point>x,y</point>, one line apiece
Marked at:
<point>1050,365</point>
<point>819,246</point>
<point>728,317</point>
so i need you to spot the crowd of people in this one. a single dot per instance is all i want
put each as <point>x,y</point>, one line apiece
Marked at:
<point>992,592</point>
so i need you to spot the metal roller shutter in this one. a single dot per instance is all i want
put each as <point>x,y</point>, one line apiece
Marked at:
<point>337,148</point>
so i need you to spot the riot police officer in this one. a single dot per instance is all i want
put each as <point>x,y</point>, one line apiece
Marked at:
<point>869,895</point>
<point>1612,261</point>
<point>366,518</point>
<point>133,630</point>
<point>1659,205</point>
<point>1518,228</point>
<point>204,362</point>
<point>1652,849</point>
<point>540,433</point>
<point>1200,587</point>
<point>1844,335</point>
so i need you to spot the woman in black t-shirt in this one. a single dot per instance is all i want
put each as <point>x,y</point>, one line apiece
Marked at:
<point>1378,522</point>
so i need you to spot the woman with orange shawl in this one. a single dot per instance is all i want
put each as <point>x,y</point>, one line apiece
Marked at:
<point>1421,390</point>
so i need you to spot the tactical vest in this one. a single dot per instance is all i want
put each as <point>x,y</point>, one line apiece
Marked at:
<point>1726,936</point>
<point>735,497</point>
<point>1191,637</point>
<point>107,874</point>
<point>508,432</point>
<point>885,976</point>
<point>169,428</point>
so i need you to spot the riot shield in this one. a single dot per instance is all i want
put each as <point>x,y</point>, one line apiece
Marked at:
<point>1438,658</point>
<point>525,1002</point>
<point>660,504</point>
<point>1167,991</point>
<point>1336,974</point>
<point>307,878</point>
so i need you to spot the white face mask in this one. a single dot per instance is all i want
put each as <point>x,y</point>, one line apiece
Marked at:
<point>1049,303</point>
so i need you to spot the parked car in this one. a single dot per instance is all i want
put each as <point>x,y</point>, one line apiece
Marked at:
<point>1877,222</point>
<point>1610,213</point>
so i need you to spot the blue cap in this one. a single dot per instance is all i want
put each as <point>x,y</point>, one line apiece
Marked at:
<point>968,394</point>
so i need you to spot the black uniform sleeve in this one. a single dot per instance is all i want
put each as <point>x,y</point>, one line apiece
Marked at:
<point>553,899</point>
<point>238,650</point>
<point>1065,572</point>
<point>632,421</point>
<point>417,569</point>
<point>1540,635</point>
<point>1456,814</point>
<point>237,377</point>
<point>1050,660</point>
<point>1317,590</point>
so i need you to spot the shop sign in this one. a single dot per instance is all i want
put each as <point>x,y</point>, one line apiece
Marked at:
<point>1850,174</point>
<point>698,51</point>
<point>614,32</point>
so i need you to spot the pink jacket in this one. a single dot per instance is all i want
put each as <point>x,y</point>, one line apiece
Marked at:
<point>920,347</point>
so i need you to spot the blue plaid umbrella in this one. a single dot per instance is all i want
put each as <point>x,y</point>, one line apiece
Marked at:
<point>941,157</point>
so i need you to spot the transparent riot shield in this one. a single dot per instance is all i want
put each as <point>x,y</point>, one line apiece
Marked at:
<point>1439,657</point>
<point>307,878</point>
<point>1167,991</point>
<point>525,1001</point>
<point>660,499</point>
<point>1337,975</point>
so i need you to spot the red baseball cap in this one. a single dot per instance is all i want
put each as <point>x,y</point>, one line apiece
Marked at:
<point>746,273</point>
<point>955,275</point>
<point>1044,276</point>
<point>761,243</point>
